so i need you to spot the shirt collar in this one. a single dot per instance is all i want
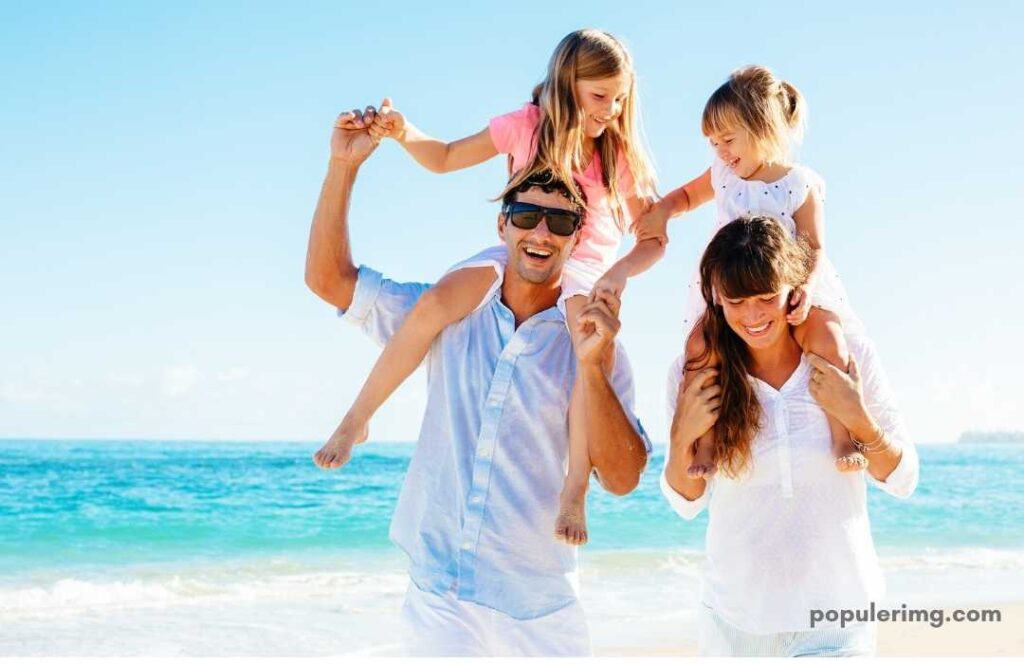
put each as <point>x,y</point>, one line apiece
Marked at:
<point>795,380</point>
<point>552,314</point>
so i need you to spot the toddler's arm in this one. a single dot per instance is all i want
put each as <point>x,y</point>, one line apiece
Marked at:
<point>690,196</point>
<point>639,259</point>
<point>810,224</point>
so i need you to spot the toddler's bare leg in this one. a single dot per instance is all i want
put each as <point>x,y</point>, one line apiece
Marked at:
<point>822,334</point>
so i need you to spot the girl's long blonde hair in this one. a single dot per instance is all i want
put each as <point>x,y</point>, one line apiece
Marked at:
<point>585,55</point>
<point>754,99</point>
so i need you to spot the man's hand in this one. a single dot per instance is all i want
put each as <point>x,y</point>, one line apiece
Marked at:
<point>351,140</point>
<point>596,326</point>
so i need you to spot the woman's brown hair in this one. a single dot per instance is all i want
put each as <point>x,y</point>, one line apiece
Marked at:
<point>748,257</point>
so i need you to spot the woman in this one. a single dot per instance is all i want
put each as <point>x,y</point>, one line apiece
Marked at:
<point>787,535</point>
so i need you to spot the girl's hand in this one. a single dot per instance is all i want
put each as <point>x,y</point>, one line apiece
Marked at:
<point>800,300</point>
<point>613,282</point>
<point>388,122</point>
<point>652,225</point>
<point>697,407</point>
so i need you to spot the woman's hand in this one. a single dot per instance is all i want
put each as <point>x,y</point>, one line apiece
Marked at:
<point>697,408</point>
<point>800,300</point>
<point>388,123</point>
<point>653,224</point>
<point>840,394</point>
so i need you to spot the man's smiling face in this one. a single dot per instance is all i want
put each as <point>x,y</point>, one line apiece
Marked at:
<point>538,255</point>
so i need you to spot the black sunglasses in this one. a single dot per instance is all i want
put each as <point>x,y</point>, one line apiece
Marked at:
<point>527,215</point>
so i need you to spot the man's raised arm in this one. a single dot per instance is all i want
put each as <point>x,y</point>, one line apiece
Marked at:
<point>330,272</point>
<point>617,450</point>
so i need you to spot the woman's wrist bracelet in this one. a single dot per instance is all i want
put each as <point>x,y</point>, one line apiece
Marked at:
<point>880,443</point>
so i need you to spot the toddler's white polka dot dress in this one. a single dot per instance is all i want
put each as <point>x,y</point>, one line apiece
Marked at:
<point>736,197</point>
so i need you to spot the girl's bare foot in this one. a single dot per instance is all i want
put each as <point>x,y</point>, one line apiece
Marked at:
<point>338,449</point>
<point>571,524</point>
<point>703,465</point>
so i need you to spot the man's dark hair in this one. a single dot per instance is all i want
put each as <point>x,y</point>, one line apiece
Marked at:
<point>548,183</point>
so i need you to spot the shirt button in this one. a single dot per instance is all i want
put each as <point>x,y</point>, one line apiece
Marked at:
<point>467,546</point>
<point>475,500</point>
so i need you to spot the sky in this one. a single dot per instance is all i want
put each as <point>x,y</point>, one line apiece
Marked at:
<point>160,162</point>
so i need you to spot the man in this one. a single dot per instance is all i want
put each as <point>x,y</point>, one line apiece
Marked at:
<point>474,514</point>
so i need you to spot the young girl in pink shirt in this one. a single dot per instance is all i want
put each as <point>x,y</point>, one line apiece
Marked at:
<point>580,125</point>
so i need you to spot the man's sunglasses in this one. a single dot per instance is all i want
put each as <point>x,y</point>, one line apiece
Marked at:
<point>527,215</point>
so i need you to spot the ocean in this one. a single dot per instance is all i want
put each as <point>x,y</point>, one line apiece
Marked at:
<point>169,548</point>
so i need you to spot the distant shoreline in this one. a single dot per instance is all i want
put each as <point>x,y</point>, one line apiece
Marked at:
<point>995,437</point>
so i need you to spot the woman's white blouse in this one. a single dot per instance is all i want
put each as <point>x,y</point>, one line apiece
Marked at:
<point>792,534</point>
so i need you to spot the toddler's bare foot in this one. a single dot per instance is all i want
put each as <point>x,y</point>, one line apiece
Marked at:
<point>703,465</point>
<point>338,449</point>
<point>850,463</point>
<point>571,524</point>
<point>848,457</point>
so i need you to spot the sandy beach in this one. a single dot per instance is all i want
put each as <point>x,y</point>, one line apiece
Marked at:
<point>901,639</point>
<point>1002,639</point>
<point>957,639</point>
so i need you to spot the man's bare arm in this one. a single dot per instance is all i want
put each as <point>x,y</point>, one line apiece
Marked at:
<point>617,451</point>
<point>330,271</point>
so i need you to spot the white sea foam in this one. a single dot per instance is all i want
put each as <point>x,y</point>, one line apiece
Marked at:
<point>135,588</point>
<point>953,559</point>
<point>351,606</point>
<point>358,582</point>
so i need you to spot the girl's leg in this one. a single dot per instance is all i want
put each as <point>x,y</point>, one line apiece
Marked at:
<point>450,299</point>
<point>571,524</point>
<point>703,465</point>
<point>822,334</point>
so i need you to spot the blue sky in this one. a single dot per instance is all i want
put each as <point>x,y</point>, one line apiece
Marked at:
<point>160,165</point>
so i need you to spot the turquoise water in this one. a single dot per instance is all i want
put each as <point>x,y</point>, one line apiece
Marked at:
<point>97,505</point>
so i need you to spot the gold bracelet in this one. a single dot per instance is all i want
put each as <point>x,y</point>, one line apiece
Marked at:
<point>873,446</point>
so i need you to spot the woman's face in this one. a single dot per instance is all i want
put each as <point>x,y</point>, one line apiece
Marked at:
<point>601,100</point>
<point>759,320</point>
